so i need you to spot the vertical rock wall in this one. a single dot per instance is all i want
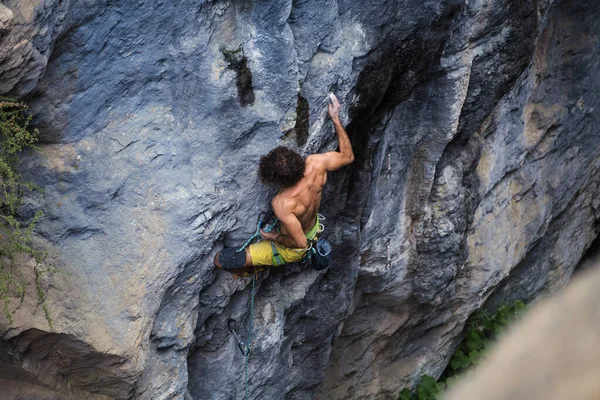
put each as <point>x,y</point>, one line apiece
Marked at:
<point>474,129</point>
<point>503,212</point>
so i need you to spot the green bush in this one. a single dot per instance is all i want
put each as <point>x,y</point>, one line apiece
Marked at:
<point>15,236</point>
<point>482,330</point>
<point>426,389</point>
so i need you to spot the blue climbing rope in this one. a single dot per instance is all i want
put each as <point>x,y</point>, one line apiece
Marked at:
<point>249,339</point>
<point>268,228</point>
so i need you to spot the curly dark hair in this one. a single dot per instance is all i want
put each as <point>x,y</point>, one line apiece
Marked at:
<point>281,166</point>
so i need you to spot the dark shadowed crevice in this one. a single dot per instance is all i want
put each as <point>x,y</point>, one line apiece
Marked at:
<point>302,120</point>
<point>238,62</point>
<point>391,74</point>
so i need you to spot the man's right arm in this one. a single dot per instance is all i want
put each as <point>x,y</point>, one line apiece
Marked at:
<point>337,159</point>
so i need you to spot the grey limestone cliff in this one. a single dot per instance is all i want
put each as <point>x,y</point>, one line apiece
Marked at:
<point>475,129</point>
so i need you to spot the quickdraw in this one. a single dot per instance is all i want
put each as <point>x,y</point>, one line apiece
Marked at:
<point>244,348</point>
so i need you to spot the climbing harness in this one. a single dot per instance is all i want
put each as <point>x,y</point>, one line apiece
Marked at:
<point>318,252</point>
<point>277,259</point>
<point>245,347</point>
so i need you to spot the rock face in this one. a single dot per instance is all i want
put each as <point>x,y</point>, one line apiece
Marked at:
<point>474,125</point>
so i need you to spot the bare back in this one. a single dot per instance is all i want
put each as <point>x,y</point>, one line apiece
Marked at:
<point>304,198</point>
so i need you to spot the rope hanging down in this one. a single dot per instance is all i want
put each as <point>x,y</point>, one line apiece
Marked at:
<point>249,340</point>
<point>246,347</point>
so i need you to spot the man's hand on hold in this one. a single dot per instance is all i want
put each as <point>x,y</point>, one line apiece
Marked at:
<point>334,107</point>
<point>334,160</point>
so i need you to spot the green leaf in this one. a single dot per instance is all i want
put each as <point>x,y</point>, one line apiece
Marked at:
<point>465,362</point>
<point>498,329</point>
<point>428,388</point>
<point>474,356</point>
<point>474,340</point>
<point>457,360</point>
<point>405,394</point>
<point>489,326</point>
<point>454,364</point>
<point>519,304</point>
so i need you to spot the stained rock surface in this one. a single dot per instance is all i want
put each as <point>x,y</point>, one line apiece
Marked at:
<point>474,125</point>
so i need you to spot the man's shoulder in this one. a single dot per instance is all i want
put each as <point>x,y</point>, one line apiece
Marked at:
<point>316,160</point>
<point>281,202</point>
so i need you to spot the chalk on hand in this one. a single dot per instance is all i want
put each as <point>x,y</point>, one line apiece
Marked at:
<point>332,97</point>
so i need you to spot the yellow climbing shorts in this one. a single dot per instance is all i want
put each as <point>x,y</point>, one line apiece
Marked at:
<point>262,252</point>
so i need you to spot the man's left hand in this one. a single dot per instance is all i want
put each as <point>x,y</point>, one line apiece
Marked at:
<point>268,235</point>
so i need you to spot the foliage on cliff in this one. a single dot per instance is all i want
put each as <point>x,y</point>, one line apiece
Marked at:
<point>483,330</point>
<point>15,235</point>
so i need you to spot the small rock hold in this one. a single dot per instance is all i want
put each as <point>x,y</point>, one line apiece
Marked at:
<point>6,16</point>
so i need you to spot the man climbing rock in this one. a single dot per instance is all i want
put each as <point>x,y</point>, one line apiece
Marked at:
<point>296,205</point>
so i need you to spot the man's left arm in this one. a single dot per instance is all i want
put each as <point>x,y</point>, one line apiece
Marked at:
<point>295,237</point>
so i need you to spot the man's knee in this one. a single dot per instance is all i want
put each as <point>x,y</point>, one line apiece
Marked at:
<point>230,259</point>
